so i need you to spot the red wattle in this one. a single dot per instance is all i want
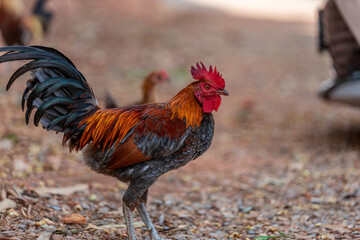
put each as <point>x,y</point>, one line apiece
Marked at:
<point>211,104</point>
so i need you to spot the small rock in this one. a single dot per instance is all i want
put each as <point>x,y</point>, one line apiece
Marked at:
<point>181,227</point>
<point>92,197</point>
<point>53,201</point>
<point>219,235</point>
<point>103,203</point>
<point>44,236</point>
<point>6,144</point>
<point>161,219</point>
<point>85,206</point>
<point>247,210</point>
<point>316,201</point>
<point>20,165</point>
<point>201,211</point>
<point>56,237</point>
<point>70,238</point>
<point>22,226</point>
<point>6,204</point>
<point>182,237</point>
<point>104,210</point>
<point>57,208</point>
<point>139,224</point>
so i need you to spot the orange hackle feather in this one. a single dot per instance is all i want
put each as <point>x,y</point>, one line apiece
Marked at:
<point>185,106</point>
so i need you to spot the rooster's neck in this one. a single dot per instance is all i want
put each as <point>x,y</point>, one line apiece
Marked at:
<point>185,106</point>
<point>148,91</point>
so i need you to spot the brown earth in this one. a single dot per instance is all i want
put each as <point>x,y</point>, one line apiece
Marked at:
<point>282,160</point>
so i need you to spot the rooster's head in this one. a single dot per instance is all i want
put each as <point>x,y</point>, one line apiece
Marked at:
<point>209,87</point>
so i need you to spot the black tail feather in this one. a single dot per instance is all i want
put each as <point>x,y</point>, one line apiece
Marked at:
<point>43,63</point>
<point>58,91</point>
<point>56,52</point>
<point>55,101</point>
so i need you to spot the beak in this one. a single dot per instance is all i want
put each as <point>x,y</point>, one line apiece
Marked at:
<point>223,92</point>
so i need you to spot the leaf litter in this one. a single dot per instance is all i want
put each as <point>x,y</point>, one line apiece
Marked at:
<point>272,168</point>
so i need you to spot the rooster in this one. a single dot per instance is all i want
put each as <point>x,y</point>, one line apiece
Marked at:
<point>19,29</point>
<point>135,144</point>
<point>148,89</point>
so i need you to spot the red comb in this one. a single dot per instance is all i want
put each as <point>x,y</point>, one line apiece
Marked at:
<point>164,74</point>
<point>200,72</point>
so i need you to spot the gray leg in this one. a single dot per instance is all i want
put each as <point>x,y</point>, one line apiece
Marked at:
<point>135,197</point>
<point>145,216</point>
<point>129,222</point>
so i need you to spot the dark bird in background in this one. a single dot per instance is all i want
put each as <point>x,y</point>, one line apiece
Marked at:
<point>149,94</point>
<point>17,28</point>
<point>44,16</point>
<point>135,144</point>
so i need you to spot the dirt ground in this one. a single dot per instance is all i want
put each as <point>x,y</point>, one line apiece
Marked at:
<point>282,162</point>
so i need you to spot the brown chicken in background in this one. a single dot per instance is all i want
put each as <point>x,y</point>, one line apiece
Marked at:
<point>149,86</point>
<point>135,144</point>
<point>19,29</point>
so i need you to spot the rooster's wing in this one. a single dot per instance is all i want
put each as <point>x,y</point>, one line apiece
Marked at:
<point>142,133</point>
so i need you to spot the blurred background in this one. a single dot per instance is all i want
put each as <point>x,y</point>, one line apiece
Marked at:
<point>281,159</point>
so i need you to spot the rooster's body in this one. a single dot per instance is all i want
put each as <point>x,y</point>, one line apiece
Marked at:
<point>16,28</point>
<point>135,144</point>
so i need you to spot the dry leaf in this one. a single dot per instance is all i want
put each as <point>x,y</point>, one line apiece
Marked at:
<point>65,191</point>
<point>336,228</point>
<point>74,219</point>
<point>44,221</point>
<point>113,226</point>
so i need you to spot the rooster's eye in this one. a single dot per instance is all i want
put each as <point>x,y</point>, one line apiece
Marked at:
<point>207,86</point>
